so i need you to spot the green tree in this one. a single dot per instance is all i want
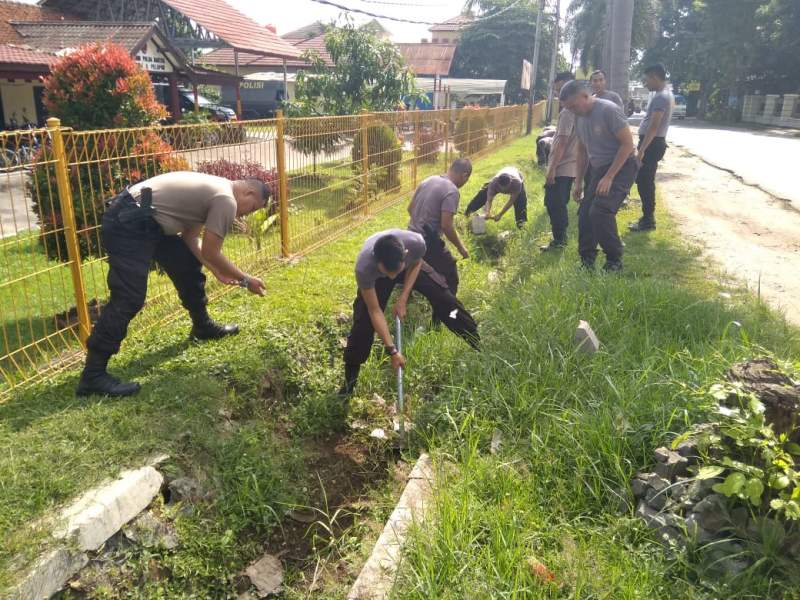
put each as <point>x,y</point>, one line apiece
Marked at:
<point>368,74</point>
<point>731,48</point>
<point>494,47</point>
<point>587,24</point>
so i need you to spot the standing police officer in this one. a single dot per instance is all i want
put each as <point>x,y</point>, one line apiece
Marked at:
<point>605,141</point>
<point>652,143</point>
<point>162,219</point>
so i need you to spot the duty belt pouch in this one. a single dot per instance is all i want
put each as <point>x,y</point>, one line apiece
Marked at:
<point>432,239</point>
<point>134,212</point>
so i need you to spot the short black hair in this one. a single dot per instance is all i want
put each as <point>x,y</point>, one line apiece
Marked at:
<point>461,165</point>
<point>389,251</point>
<point>564,76</point>
<point>571,89</point>
<point>504,179</point>
<point>261,189</point>
<point>598,72</point>
<point>658,70</point>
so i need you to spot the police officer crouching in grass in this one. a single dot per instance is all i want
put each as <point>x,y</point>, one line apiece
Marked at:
<point>162,219</point>
<point>507,181</point>
<point>386,259</point>
<point>605,142</point>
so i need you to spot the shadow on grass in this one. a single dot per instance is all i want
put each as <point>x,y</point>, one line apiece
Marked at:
<point>30,405</point>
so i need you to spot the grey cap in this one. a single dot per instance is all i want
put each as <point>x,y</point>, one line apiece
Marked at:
<point>572,88</point>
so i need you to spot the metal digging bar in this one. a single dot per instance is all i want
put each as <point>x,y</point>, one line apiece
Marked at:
<point>400,399</point>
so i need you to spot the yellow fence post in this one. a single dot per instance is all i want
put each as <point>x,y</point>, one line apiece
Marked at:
<point>283,187</point>
<point>365,161</point>
<point>70,228</point>
<point>446,136</point>
<point>469,132</point>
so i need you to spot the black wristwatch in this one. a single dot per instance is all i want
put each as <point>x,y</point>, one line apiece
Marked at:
<point>244,282</point>
<point>392,350</point>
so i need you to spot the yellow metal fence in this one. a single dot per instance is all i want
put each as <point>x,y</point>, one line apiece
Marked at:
<point>327,175</point>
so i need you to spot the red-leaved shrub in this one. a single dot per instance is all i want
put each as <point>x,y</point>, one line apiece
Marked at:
<point>99,86</point>
<point>96,87</point>
<point>244,170</point>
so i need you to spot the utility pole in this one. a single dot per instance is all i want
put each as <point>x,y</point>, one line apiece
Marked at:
<point>534,65</point>
<point>553,61</point>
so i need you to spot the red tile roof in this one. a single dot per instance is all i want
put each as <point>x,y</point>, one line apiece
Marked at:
<point>55,36</point>
<point>455,24</point>
<point>428,59</point>
<point>233,27</point>
<point>223,57</point>
<point>11,54</point>
<point>17,11</point>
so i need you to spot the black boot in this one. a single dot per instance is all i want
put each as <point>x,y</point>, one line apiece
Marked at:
<point>554,245</point>
<point>350,378</point>
<point>643,224</point>
<point>96,380</point>
<point>205,328</point>
<point>613,266</point>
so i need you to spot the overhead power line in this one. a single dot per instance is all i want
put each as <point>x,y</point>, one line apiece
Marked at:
<point>424,5</point>
<point>412,21</point>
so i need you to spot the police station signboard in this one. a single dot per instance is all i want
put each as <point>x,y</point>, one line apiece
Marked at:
<point>151,59</point>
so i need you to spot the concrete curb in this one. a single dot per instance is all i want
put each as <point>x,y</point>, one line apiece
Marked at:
<point>378,575</point>
<point>84,526</point>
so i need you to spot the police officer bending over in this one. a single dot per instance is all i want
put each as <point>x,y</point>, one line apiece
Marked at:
<point>507,181</point>
<point>163,219</point>
<point>432,210</point>
<point>386,259</point>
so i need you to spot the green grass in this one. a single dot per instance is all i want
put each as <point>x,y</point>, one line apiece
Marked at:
<point>576,428</point>
<point>243,415</point>
<point>323,204</point>
<point>248,415</point>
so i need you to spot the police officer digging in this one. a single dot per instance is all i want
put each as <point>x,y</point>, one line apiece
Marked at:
<point>179,220</point>
<point>388,258</point>
<point>606,144</point>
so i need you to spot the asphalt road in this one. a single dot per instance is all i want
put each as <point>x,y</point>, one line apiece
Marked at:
<point>765,158</point>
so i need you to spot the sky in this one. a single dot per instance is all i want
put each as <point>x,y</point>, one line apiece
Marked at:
<point>287,15</point>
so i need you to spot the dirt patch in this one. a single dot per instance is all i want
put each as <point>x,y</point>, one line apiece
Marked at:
<point>750,234</point>
<point>342,471</point>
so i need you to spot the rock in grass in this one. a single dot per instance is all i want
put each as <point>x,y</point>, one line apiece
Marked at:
<point>266,575</point>
<point>149,531</point>
<point>712,512</point>
<point>497,442</point>
<point>656,499</point>
<point>638,487</point>
<point>586,339</point>
<point>186,489</point>
<point>672,466</point>
<point>650,517</point>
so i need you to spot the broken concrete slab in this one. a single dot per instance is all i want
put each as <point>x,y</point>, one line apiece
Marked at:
<point>266,574</point>
<point>378,575</point>
<point>101,512</point>
<point>585,338</point>
<point>49,575</point>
